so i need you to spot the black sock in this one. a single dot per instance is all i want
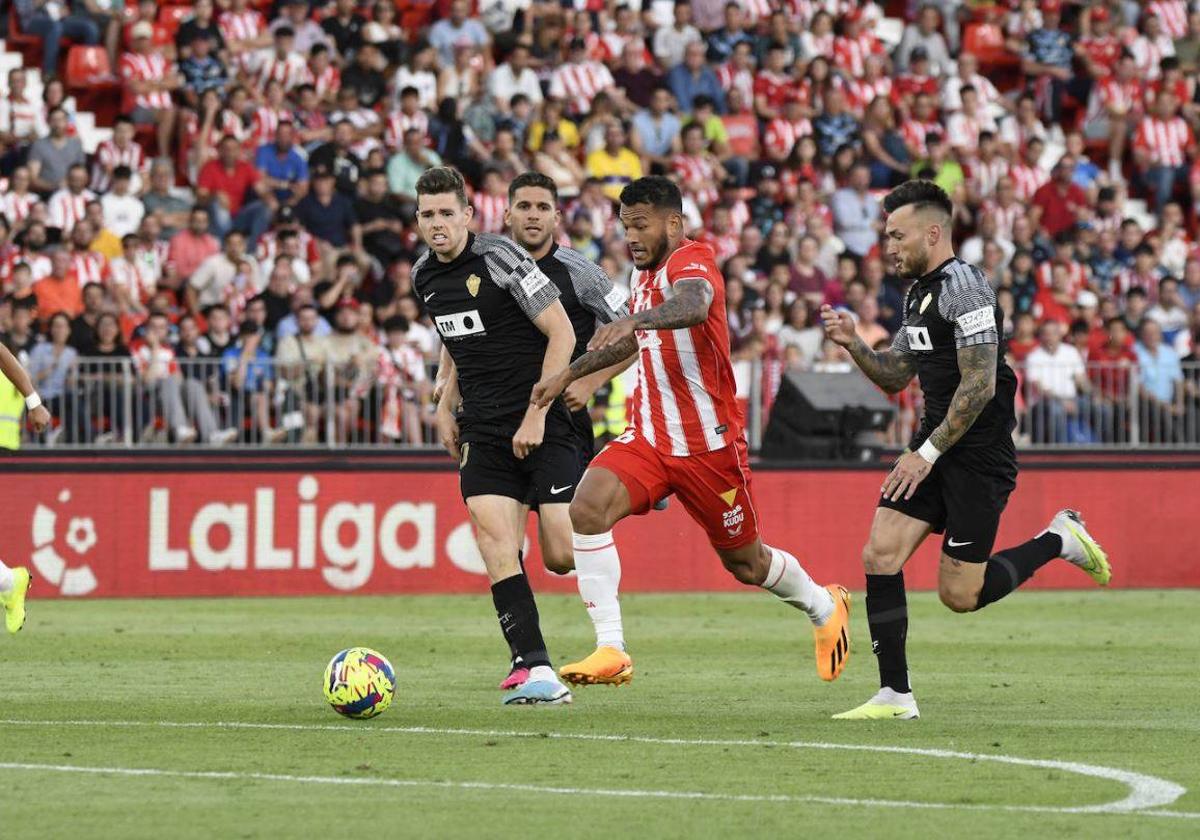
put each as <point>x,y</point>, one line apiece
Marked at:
<point>887,615</point>
<point>518,616</point>
<point>517,662</point>
<point>1011,567</point>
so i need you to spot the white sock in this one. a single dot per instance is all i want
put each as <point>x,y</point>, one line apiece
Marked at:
<point>788,581</point>
<point>598,573</point>
<point>6,578</point>
<point>542,673</point>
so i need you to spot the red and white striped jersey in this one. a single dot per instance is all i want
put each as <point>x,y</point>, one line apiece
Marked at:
<point>1149,53</point>
<point>1076,271</point>
<point>139,277</point>
<point>850,54</point>
<point>685,402</point>
<point>23,117</point>
<point>697,178</point>
<point>17,207</point>
<point>781,135</point>
<point>731,77</point>
<point>612,44</point>
<point>1165,142</point>
<point>109,156</point>
<point>1131,279</point>
<point>291,71</point>
<point>268,248</point>
<point>914,133</point>
<point>579,82</point>
<point>1016,134</point>
<point>157,363</point>
<point>1028,179</point>
<point>1005,216</point>
<point>241,26</point>
<point>777,88</point>
<point>399,122</point>
<point>740,215</point>
<point>859,93</point>
<point>146,68</point>
<point>266,121</point>
<point>489,211</point>
<point>1124,97</point>
<point>227,123</point>
<point>1172,14</point>
<point>756,10</point>
<point>65,208</point>
<point>329,80</point>
<point>89,267</point>
<point>987,174</point>
<point>962,129</point>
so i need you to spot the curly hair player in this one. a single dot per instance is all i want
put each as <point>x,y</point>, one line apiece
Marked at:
<point>686,436</point>
<point>959,469</point>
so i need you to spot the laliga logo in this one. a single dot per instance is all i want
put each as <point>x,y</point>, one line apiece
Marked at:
<point>81,538</point>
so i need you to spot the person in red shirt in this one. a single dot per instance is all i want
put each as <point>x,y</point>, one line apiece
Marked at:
<point>1100,50</point>
<point>223,185</point>
<point>772,85</point>
<point>1024,337</point>
<point>1108,368</point>
<point>1059,203</point>
<point>1054,303</point>
<point>60,290</point>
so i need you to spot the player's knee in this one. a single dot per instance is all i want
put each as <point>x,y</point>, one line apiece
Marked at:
<point>558,562</point>
<point>588,516</point>
<point>958,600</point>
<point>879,560</point>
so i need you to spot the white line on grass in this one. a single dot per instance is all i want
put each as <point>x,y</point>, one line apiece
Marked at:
<point>1145,792</point>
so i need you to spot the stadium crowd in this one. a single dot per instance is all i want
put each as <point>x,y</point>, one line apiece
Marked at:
<point>245,238</point>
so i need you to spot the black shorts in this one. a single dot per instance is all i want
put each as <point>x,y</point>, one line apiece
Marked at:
<point>581,423</point>
<point>963,498</point>
<point>548,475</point>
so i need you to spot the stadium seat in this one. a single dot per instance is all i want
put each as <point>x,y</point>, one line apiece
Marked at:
<point>30,46</point>
<point>172,17</point>
<point>996,61</point>
<point>89,78</point>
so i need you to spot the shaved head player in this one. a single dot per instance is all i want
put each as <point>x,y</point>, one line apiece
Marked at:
<point>959,469</point>
<point>686,435</point>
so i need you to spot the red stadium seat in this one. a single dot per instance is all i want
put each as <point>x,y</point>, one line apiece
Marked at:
<point>89,78</point>
<point>996,61</point>
<point>30,46</point>
<point>172,17</point>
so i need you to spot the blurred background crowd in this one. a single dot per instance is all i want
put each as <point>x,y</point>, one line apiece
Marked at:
<point>208,226</point>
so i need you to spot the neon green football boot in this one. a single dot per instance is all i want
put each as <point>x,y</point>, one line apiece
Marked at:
<point>13,601</point>
<point>886,705</point>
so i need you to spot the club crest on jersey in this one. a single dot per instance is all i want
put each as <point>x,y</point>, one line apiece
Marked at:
<point>473,284</point>
<point>925,303</point>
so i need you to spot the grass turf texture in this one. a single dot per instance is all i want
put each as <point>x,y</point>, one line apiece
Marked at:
<point>1105,678</point>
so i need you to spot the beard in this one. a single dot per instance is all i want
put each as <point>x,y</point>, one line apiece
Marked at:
<point>916,266</point>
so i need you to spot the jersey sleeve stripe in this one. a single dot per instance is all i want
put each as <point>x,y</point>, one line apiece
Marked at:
<point>591,284</point>
<point>966,290</point>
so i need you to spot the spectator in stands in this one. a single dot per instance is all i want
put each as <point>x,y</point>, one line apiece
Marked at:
<point>364,76</point>
<point>301,358</point>
<point>223,186</point>
<point>654,133</point>
<point>284,170</point>
<point>149,79</point>
<point>835,127</point>
<point>615,165</point>
<point>1162,148</point>
<point>169,205</point>
<point>328,215</point>
<point>1171,315</point>
<point>202,23</point>
<point>121,210</point>
<point>512,77</point>
<point>338,157</point>
<point>856,215</point>
<point>1161,383</point>
<point>246,368</point>
<point>49,21</point>
<point>1060,203</point>
<point>202,70</point>
<point>51,157</point>
<point>693,77</point>
<point>224,276</point>
<point>670,42</point>
<point>924,34</point>
<point>191,247</point>
<point>1055,380</point>
<point>51,367</point>
<point>1048,58</point>
<point>59,291</point>
<point>22,119</point>
<point>83,326</point>
<point>459,28</point>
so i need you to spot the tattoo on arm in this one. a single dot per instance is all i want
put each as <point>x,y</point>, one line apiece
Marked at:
<point>890,370</point>
<point>605,357</point>
<point>977,364</point>
<point>687,307</point>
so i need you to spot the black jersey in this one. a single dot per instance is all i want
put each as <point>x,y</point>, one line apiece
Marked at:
<point>950,308</point>
<point>586,293</point>
<point>483,304</point>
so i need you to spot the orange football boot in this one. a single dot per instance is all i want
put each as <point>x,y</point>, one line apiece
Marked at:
<point>606,665</point>
<point>833,637</point>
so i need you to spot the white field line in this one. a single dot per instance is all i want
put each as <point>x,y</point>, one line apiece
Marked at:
<point>1145,792</point>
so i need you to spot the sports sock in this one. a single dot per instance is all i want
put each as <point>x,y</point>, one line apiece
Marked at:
<point>1011,567</point>
<point>887,615</point>
<point>6,578</point>
<point>518,616</point>
<point>787,580</point>
<point>598,575</point>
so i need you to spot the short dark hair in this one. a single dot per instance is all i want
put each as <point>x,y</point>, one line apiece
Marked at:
<point>532,179</point>
<point>396,323</point>
<point>443,179</point>
<point>921,194</point>
<point>654,190</point>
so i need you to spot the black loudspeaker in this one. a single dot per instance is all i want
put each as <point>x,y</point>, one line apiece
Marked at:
<point>825,416</point>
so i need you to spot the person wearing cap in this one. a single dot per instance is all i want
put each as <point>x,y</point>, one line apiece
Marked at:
<point>1100,49</point>
<point>456,30</point>
<point>44,18</point>
<point>924,34</point>
<point>149,79</point>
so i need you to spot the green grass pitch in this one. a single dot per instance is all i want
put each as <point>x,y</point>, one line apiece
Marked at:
<point>1101,678</point>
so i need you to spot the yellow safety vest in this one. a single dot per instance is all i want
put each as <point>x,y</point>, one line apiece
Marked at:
<point>613,422</point>
<point>12,408</point>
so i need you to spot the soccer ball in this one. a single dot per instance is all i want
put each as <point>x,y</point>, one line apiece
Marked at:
<point>359,683</point>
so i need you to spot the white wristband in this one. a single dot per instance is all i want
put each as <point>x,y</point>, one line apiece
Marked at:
<point>33,401</point>
<point>929,452</point>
